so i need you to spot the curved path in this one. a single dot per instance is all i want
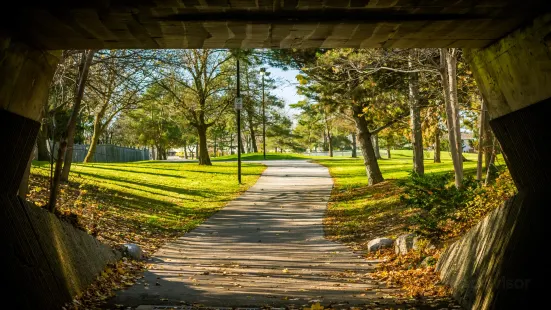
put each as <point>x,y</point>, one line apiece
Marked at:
<point>267,247</point>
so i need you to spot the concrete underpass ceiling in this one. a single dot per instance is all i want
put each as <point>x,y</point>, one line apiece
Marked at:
<point>65,24</point>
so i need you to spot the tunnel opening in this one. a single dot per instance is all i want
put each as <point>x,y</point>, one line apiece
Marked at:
<point>506,44</point>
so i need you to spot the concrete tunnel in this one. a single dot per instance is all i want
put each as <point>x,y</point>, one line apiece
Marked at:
<point>506,42</point>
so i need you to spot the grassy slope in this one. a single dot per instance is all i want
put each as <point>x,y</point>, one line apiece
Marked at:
<point>358,213</point>
<point>144,202</point>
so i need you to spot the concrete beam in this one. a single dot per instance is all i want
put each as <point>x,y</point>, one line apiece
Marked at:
<point>25,76</point>
<point>515,72</point>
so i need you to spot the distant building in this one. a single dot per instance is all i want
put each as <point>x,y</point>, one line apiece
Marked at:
<point>467,142</point>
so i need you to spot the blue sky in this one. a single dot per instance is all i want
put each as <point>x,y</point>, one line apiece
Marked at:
<point>288,90</point>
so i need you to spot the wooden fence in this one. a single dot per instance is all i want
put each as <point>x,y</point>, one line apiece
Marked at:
<point>107,153</point>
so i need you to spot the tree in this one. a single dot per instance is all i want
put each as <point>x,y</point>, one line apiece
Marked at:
<point>117,85</point>
<point>155,123</point>
<point>280,132</point>
<point>481,141</point>
<point>448,59</point>
<point>374,101</point>
<point>199,81</point>
<point>84,69</point>
<point>415,116</point>
<point>69,131</point>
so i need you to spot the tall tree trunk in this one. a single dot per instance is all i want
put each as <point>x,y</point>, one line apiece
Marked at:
<point>374,174</point>
<point>215,153</point>
<point>69,132</point>
<point>42,144</point>
<point>68,160</point>
<point>489,173</point>
<point>196,150</point>
<point>185,149</point>
<point>253,133</point>
<point>449,82</point>
<point>250,116</point>
<point>488,138</point>
<point>243,142</point>
<point>330,142</point>
<point>481,140</point>
<point>231,144</point>
<point>375,141</point>
<point>159,152</point>
<point>388,151</point>
<point>203,156</point>
<point>415,115</point>
<point>95,138</point>
<point>329,136</point>
<point>354,146</point>
<point>437,146</point>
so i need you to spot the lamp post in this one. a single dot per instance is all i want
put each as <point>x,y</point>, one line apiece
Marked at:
<point>263,72</point>
<point>238,107</point>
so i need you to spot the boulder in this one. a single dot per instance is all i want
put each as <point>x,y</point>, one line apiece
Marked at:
<point>132,250</point>
<point>379,243</point>
<point>404,244</point>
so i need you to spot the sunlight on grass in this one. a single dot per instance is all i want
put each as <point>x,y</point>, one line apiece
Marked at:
<point>350,172</point>
<point>260,156</point>
<point>144,197</point>
<point>358,213</point>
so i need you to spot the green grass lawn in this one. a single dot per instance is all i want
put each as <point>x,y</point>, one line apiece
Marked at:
<point>358,213</point>
<point>259,156</point>
<point>144,202</point>
<point>350,172</point>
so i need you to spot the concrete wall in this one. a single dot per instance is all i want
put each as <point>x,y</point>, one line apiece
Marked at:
<point>45,261</point>
<point>75,257</point>
<point>501,262</point>
<point>69,260</point>
<point>471,265</point>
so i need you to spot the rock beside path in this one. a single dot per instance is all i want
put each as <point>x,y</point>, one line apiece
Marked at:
<point>379,243</point>
<point>404,244</point>
<point>133,251</point>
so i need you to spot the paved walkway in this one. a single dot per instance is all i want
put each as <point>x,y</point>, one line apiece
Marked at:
<point>267,247</point>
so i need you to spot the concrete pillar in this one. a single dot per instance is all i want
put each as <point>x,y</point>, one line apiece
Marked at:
<point>25,76</point>
<point>514,76</point>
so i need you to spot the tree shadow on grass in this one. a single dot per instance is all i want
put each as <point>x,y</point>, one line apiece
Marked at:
<point>139,165</point>
<point>112,168</point>
<point>178,190</point>
<point>116,216</point>
<point>363,213</point>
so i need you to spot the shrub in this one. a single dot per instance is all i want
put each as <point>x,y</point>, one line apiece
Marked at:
<point>484,200</point>
<point>446,212</point>
<point>437,199</point>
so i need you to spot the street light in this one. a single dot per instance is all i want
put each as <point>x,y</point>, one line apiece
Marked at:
<point>238,107</point>
<point>263,72</point>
